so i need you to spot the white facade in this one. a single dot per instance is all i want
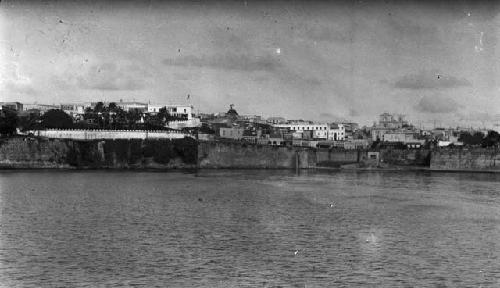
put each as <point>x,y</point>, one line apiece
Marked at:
<point>402,137</point>
<point>154,108</point>
<point>180,110</point>
<point>320,134</point>
<point>109,134</point>
<point>41,107</point>
<point>174,110</point>
<point>73,109</point>
<point>179,124</point>
<point>320,131</point>
<point>336,132</point>
<point>127,106</point>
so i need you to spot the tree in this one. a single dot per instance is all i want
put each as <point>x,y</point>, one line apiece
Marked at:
<point>8,121</point>
<point>112,107</point>
<point>133,116</point>
<point>99,107</point>
<point>471,139</point>
<point>29,121</point>
<point>56,118</point>
<point>492,139</point>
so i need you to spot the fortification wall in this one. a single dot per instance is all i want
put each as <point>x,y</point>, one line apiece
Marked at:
<point>406,157</point>
<point>477,159</point>
<point>238,155</point>
<point>98,154</point>
<point>335,158</point>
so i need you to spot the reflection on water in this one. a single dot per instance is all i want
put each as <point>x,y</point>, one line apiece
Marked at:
<point>249,228</point>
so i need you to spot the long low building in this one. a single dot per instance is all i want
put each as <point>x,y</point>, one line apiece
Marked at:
<point>332,131</point>
<point>108,134</point>
<point>12,105</point>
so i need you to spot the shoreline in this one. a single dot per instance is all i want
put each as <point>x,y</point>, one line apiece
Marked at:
<point>194,170</point>
<point>192,155</point>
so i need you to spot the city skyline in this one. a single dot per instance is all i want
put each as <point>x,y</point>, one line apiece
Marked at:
<point>433,61</point>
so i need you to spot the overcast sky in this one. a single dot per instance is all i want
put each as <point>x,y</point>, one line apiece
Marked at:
<point>431,60</point>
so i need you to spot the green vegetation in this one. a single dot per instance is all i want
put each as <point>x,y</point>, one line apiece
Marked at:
<point>109,117</point>
<point>8,122</point>
<point>56,118</point>
<point>492,139</point>
<point>114,117</point>
<point>471,139</point>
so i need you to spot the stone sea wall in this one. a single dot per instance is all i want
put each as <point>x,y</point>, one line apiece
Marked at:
<point>399,157</point>
<point>25,153</point>
<point>476,159</point>
<point>238,155</point>
<point>336,158</point>
<point>406,157</point>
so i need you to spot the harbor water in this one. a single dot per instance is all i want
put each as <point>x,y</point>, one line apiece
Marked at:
<point>249,228</point>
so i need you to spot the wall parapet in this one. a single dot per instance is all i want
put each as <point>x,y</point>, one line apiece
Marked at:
<point>84,134</point>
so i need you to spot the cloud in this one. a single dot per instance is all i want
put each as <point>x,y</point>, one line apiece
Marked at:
<point>109,76</point>
<point>430,80</point>
<point>13,81</point>
<point>354,112</point>
<point>403,28</point>
<point>228,61</point>
<point>437,104</point>
<point>327,34</point>
<point>326,115</point>
<point>479,116</point>
<point>17,88</point>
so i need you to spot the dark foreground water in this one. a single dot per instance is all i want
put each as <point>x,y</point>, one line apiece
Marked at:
<point>249,229</point>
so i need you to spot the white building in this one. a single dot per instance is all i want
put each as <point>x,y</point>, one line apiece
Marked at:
<point>336,132</point>
<point>73,109</point>
<point>399,136</point>
<point>184,111</point>
<point>40,107</point>
<point>154,108</point>
<point>319,131</point>
<point>181,111</point>
<point>127,106</point>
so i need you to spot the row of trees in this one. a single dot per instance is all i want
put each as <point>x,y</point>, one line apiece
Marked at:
<point>479,139</point>
<point>99,117</point>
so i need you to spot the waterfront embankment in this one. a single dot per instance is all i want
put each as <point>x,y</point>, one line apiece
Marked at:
<point>187,153</point>
<point>38,153</point>
<point>247,156</point>
<point>476,159</point>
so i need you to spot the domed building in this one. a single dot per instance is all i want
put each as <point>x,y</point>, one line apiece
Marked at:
<point>231,113</point>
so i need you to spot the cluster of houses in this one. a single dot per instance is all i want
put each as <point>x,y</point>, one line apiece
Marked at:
<point>278,131</point>
<point>395,129</point>
<point>389,130</point>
